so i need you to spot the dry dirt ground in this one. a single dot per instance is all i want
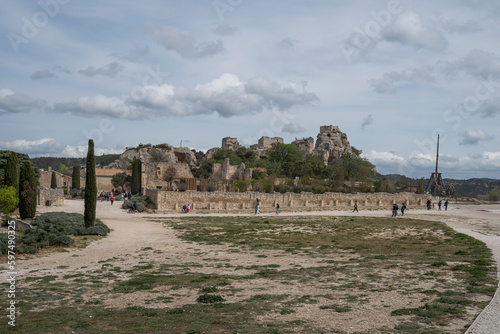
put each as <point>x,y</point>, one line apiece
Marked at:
<point>133,233</point>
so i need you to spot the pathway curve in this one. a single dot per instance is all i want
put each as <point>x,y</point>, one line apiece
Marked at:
<point>131,233</point>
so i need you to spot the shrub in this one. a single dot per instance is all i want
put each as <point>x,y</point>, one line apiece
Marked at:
<point>143,202</point>
<point>211,188</point>
<point>8,199</point>
<point>53,229</point>
<point>210,299</point>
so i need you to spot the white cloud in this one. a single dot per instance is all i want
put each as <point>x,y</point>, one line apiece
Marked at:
<point>40,146</point>
<point>81,151</point>
<point>408,29</point>
<point>100,106</point>
<point>226,96</point>
<point>280,94</point>
<point>474,137</point>
<point>384,158</point>
<point>11,102</point>
<point>183,42</point>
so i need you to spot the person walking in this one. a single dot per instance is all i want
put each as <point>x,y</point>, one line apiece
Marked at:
<point>277,208</point>
<point>403,208</point>
<point>446,205</point>
<point>355,206</point>
<point>439,205</point>
<point>394,210</point>
<point>112,198</point>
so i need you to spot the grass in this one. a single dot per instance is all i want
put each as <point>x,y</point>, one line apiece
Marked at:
<point>341,263</point>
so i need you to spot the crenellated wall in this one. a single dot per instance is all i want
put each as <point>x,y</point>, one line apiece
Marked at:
<point>232,202</point>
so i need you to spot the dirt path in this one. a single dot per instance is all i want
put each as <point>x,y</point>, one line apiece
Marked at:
<point>133,232</point>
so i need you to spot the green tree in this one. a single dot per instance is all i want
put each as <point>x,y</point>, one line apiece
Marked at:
<point>495,194</point>
<point>75,178</point>
<point>53,181</point>
<point>27,191</point>
<point>90,187</point>
<point>8,199</point>
<point>135,183</point>
<point>288,157</point>
<point>63,169</point>
<point>12,172</point>
<point>120,180</point>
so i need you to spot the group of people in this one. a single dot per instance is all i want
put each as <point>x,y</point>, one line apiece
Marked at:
<point>257,207</point>
<point>440,204</point>
<point>395,209</point>
<point>110,196</point>
<point>186,208</point>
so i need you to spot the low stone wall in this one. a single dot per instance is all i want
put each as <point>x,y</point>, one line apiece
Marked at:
<point>231,202</point>
<point>55,196</point>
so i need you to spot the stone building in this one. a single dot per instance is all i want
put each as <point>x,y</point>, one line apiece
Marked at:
<point>264,144</point>
<point>45,179</point>
<point>103,177</point>
<point>168,176</point>
<point>226,171</point>
<point>230,143</point>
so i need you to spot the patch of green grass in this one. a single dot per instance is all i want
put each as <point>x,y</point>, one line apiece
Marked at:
<point>210,299</point>
<point>336,308</point>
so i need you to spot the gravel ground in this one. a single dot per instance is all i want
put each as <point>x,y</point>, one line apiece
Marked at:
<point>479,221</point>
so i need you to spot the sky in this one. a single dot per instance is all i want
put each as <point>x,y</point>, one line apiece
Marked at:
<point>392,75</point>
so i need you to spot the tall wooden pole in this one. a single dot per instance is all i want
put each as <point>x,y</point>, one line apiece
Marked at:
<point>437,156</point>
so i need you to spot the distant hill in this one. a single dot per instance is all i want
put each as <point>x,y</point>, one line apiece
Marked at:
<point>45,162</point>
<point>467,188</point>
<point>473,187</point>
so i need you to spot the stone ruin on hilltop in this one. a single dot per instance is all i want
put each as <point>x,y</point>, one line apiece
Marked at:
<point>169,168</point>
<point>331,143</point>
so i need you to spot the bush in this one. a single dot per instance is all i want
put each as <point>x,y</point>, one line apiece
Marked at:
<point>210,299</point>
<point>53,229</point>
<point>211,188</point>
<point>8,199</point>
<point>143,202</point>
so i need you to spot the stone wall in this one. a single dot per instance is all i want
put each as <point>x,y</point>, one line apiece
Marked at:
<point>55,196</point>
<point>204,202</point>
<point>45,179</point>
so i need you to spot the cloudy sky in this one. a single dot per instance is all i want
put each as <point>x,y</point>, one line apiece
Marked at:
<point>391,74</point>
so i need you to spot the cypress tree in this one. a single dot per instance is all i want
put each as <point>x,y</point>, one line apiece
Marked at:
<point>53,181</point>
<point>27,191</point>
<point>90,187</point>
<point>75,180</point>
<point>135,184</point>
<point>12,172</point>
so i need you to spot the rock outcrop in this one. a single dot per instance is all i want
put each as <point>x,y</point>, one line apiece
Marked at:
<point>155,154</point>
<point>331,143</point>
